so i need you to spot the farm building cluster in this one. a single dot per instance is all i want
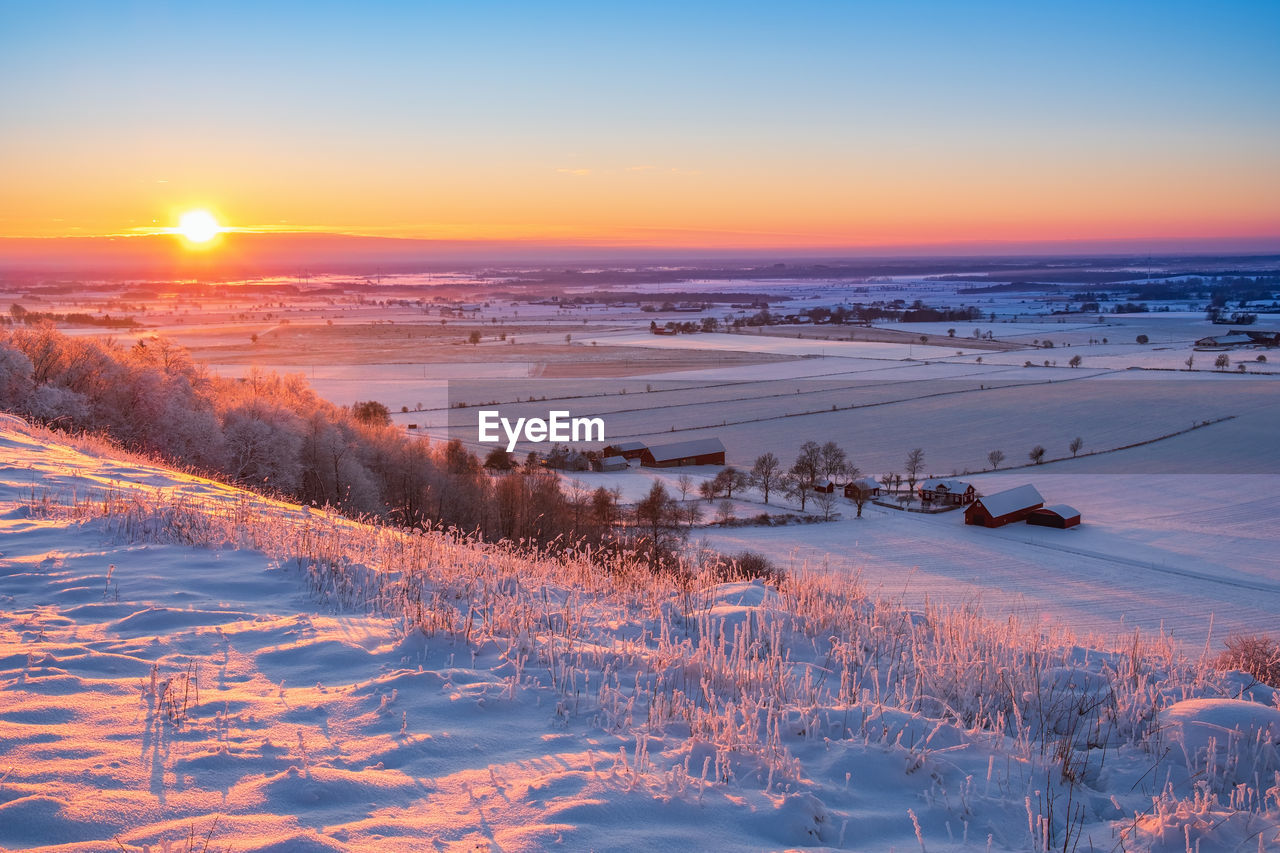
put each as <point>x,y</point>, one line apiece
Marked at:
<point>618,457</point>
<point>698,451</point>
<point>1023,503</point>
<point>1237,338</point>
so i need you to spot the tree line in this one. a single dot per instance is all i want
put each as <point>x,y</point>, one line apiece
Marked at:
<point>272,433</point>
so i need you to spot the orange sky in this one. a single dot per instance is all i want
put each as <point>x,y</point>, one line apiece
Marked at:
<point>824,128</point>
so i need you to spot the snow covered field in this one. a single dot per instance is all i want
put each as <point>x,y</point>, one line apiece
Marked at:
<point>1190,555</point>
<point>183,666</point>
<point>956,413</point>
<point>777,344</point>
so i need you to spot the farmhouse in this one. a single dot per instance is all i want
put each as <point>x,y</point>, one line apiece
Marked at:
<point>1004,507</point>
<point>824,486</point>
<point>1060,516</point>
<point>865,487</point>
<point>625,449</point>
<point>566,459</point>
<point>1265,338</point>
<point>937,490</point>
<point>613,463</point>
<point>698,451</point>
<point>1235,339</point>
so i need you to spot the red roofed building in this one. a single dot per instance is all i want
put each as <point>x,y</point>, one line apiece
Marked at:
<point>1004,507</point>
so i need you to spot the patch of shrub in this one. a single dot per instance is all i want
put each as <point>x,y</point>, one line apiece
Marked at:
<point>749,565</point>
<point>1256,654</point>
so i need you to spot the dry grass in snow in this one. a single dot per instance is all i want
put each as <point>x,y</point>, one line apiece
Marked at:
<point>181,661</point>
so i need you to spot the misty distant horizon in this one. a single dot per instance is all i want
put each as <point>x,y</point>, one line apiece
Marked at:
<point>249,254</point>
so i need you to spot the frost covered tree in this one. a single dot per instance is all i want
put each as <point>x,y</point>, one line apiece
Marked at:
<point>371,412</point>
<point>262,444</point>
<point>15,378</point>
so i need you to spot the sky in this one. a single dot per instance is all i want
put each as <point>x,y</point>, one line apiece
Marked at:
<point>719,125</point>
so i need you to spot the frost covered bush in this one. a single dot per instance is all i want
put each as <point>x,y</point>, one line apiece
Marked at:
<point>273,434</point>
<point>1256,654</point>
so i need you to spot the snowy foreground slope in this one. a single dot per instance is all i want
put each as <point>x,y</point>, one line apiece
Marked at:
<point>182,662</point>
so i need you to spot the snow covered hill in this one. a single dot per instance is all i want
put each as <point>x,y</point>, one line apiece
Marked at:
<point>187,666</point>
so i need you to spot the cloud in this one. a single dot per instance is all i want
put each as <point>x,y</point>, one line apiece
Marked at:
<point>575,172</point>
<point>664,170</point>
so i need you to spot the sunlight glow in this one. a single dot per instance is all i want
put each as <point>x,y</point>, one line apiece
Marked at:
<point>198,226</point>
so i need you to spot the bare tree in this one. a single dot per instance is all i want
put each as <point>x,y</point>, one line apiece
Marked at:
<point>1222,362</point>
<point>808,466</point>
<point>729,479</point>
<point>826,503</point>
<point>834,460</point>
<point>1076,444</point>
<point>858,495</point>
<point>685,483</point>
<point>724,511</point>
<point>766,474</point>
<point>604,508</point>
<point>796,488</point>
<point>850,472</point>
<point>995,457</point>
<point>658,515</point>
<point>913,466</point>
<point>1037,454</point>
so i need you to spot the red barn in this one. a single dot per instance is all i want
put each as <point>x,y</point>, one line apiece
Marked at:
<point>867,487</point>
<point>1004,507</point>
<point>1060,516</point>
<point>698,451</point>
<point>627,450</point>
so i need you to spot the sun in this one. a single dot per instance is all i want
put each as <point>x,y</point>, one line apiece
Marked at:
<point>198,226</point>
